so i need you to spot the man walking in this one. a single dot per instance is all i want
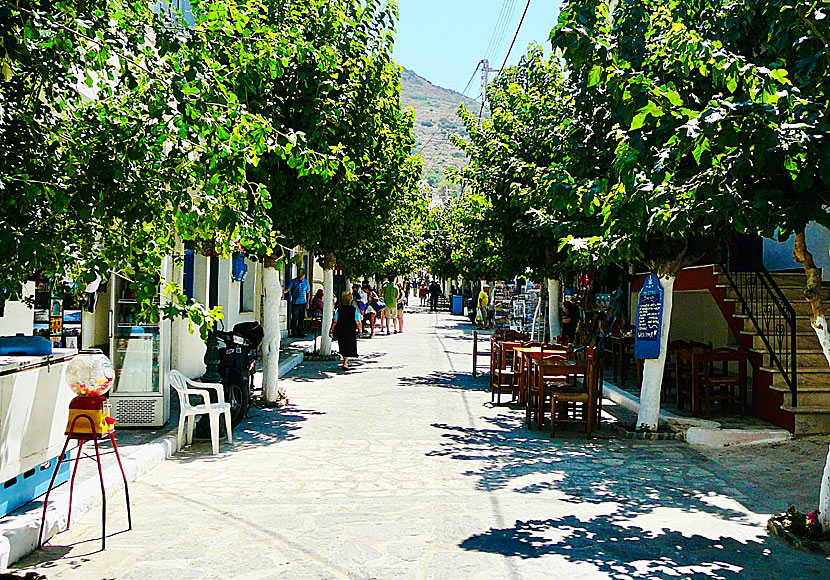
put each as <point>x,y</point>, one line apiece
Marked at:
<point>434,293</point>
<point>483,303</point>
<point>390,295</point>
<point>299,295</point>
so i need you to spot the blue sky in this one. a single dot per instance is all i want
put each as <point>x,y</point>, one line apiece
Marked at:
<point>443,40</point>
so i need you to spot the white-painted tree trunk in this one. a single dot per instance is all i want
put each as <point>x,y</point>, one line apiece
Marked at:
<point>824,496</point>
<point>272,291</point>
<point>554,297</point>
<point>649,414</point>
<point>328,311</point>
<point>823,333</point>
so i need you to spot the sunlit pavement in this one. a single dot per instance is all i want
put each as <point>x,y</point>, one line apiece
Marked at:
<point>401,469</point>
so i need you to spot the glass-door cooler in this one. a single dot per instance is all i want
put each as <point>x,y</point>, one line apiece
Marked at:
<point>140,397</point>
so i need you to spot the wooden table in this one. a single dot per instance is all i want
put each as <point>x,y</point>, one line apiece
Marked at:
<point>692,355</point>
<point>621,346</point>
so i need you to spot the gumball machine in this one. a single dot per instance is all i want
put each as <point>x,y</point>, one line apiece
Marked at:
<point>90,376</point>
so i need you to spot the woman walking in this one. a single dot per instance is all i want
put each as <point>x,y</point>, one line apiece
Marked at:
<point>346,327</point>
<point>401,303</point>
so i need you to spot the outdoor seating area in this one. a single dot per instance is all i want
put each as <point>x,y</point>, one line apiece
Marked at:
<point>697,376</point>
<point>554,383</point>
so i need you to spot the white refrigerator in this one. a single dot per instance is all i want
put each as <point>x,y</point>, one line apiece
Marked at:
<point>139,352</point>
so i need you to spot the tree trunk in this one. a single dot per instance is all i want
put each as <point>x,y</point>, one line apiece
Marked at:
<point>554,297</point>
<point>813,292</point>
<point>818,320</point>
<point>328,303</point>
<point>649,414</point>
<point>272,290</point>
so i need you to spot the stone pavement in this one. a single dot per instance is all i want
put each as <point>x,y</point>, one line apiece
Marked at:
<point>401,468</point>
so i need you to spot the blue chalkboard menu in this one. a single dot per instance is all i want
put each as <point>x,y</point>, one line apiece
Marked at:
<point>649,319</point>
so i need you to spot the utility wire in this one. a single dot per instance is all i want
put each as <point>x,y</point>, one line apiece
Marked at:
<point>509,50</point>
<point>508,19</point>
<point>515,36</point>
<point>497,37</point>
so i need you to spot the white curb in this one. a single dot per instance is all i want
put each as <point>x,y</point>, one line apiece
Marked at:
<point>700,431</point>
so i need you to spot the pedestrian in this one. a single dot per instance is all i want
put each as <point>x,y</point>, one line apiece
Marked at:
<point>372,310</point>
<point>346,326</point>
<point>422,293</point>
<point>316,308</point>
<point>401,304</point>
<point>570,317</point>
<point>361,300</point>
<point>434,294</point>
<point>483,304</point>
<point>299,295</point>
<point>390,295</point>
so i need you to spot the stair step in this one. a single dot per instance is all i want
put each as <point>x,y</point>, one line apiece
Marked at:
<point>808,396</point>
<point>804,341</point>
<point>807,359</point>
<point>810,420</point>
<point>800,306</point>
<point>802,323</point>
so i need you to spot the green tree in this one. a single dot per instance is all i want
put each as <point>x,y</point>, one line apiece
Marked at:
<point>658,88</point>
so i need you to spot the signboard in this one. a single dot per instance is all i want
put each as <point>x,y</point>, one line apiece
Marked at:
<point>649,319</point>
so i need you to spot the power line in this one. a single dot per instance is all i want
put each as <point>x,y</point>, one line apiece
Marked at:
<point>515,36</point>
<point>507,56</point>
<point>508,19</point>
<point>503,21</point>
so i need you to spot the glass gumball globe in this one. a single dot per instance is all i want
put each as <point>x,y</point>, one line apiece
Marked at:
<point>90,373</point>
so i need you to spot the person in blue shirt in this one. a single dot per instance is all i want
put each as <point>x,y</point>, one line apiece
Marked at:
<point>299,294</point>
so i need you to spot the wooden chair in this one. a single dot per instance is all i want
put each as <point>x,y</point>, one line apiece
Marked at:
<point>669,370</point>
<point>684,369</point>
<point>505,373</point>
<point>720,384</point>
<point>577,405</point>
<point>541,381</point>
<point>495,349</point>
<point>545,350</point>
<point>592,357</point>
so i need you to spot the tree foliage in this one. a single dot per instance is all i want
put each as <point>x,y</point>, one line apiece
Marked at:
<point>125,131</point>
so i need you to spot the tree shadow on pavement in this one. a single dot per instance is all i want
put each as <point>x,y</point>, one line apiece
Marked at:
<point>445,380</point>
<point>626,552</point>
<point>309,371</point>
<point>262,427</point>
<point>633,509</point>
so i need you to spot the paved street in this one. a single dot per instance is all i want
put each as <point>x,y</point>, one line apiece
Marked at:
<point>400,469</point>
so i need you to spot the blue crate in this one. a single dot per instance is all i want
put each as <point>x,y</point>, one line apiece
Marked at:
<point>30,484</point>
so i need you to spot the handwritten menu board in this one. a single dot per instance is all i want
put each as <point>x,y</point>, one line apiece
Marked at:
<point>649,319</point>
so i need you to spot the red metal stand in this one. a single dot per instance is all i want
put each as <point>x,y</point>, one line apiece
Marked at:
<point>83,438</point>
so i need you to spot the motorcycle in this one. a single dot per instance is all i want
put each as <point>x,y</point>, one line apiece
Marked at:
<point>237,367</point>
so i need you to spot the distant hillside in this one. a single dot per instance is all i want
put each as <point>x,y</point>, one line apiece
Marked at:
<point>436,117</point>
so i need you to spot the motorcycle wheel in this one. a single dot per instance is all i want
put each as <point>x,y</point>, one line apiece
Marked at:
<point>239,398</point>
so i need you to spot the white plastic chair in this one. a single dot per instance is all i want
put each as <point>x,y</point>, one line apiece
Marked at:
<point>189,411</point>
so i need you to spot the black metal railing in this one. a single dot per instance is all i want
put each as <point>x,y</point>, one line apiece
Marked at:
<point>772,314</point>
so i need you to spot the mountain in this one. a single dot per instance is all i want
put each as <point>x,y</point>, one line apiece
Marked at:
<point>436,118</point>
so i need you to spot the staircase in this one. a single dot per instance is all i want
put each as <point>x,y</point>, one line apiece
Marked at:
<point>806,407</point>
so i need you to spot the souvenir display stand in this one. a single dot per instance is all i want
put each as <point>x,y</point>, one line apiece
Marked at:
<point>502,295</point>
<point>141,395</point>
